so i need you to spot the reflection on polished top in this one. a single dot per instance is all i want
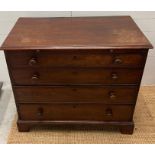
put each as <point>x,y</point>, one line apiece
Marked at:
<point>80,32</point>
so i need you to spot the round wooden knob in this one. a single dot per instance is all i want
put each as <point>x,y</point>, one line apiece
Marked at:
<point>108,112</point>
<point>112,95</point>
<point>35,77</point>
<point>114,76</point>
<point>32,62</point>
<point>117,61</point>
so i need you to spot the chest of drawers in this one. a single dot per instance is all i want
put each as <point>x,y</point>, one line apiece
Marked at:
<point>72,71</point>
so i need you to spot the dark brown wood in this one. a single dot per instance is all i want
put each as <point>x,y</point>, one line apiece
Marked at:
<point>85,94</point>
<point>22,127</point>
<point>80,33</point>
<point>77,124</point>
<point>80,76</point>
<point>76,71</point>
<point>73,112</point>
<point>75,58</point>
<point>127,129</point>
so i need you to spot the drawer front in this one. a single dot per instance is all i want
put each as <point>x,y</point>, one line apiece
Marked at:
<point>72,112</point>
<point>76,94</point>
<point>74,59</point>
<point>30,76</point>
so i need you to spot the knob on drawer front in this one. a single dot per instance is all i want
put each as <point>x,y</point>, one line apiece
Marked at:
<point>114,76</point>
<point>118,61</point>
<point>112,95</point>
<point>32,61</point>
<point>35,77</point>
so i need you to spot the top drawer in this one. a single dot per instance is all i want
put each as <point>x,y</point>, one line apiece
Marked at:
<point>74,59</point>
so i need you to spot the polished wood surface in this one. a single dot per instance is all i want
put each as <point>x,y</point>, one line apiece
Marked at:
<point>89,94</point>
<point>74,76</point>
<point>73,58</point>
<point>80,33</point>
<point>71,71</point>
<point>72,112</point>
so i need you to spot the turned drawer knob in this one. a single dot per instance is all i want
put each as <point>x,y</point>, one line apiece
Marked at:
<point>112,95</point>
<point>33,61</point>
<point>40,112</point>
<point>35,77</point>
<point>117,61</point>
<point>114,76</point>
<point>108,112</point>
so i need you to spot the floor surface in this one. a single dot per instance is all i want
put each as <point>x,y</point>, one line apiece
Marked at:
<point>7,112</point>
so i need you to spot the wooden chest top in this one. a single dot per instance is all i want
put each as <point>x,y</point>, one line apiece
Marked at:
<point>76,33</point>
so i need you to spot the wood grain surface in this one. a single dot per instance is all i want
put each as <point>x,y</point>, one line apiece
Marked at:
<point>71,33</point>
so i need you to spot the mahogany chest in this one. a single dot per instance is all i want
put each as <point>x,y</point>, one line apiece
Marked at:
<point>76,71</point>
